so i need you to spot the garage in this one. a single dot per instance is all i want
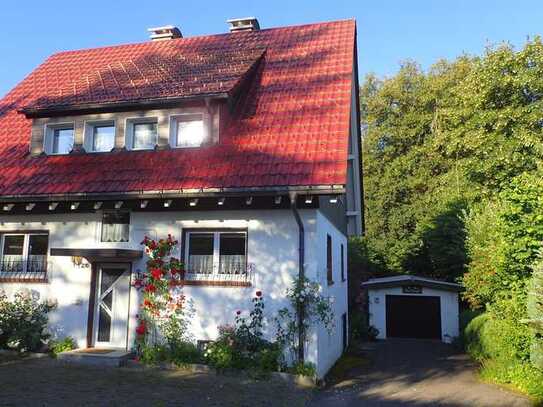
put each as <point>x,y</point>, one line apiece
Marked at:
<point>413,307</point>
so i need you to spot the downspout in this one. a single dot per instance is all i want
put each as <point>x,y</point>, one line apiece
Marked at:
<point>301,273</point>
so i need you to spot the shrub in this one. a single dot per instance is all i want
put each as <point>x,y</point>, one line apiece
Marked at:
<point>221,355</point>
<point>303,369</point>
<point>360,328</point>
<point>185,352</point>
<point>519,374</point>
<point>58,346</point>
<point>23,322</point>
<point>535,314</point>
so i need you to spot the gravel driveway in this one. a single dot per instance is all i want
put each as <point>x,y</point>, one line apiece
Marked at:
<point>415,373</point>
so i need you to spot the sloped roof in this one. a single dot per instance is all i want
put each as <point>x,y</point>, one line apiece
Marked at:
<point>407,279</point>
<point>292,128</point>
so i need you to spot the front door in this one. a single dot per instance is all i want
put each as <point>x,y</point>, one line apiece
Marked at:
<point>111,311</point>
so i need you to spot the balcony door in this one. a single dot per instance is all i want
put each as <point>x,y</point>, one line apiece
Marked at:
<point>111,309</point>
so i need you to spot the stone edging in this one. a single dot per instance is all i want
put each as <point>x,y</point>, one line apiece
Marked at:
<point>298,380</point>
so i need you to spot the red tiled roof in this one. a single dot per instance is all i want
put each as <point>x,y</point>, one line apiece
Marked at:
<point>292,128</point>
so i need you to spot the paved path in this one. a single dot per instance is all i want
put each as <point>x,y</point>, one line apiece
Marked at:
<point>415,373</point>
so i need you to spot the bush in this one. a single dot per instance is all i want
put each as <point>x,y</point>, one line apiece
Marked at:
<point>360,328</point>
<point>519,374</point>
<point>185,352</point>
<point>58,346</point>
<point>23,322</point>
<point>303,369</point>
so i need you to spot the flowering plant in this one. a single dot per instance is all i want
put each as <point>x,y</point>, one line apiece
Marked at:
<point>305,298</point>
<point>23,322</point>
<point>162,308</point>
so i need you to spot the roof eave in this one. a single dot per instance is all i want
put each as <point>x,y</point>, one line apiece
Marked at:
<point>181,193</point>
<point>85,108</point>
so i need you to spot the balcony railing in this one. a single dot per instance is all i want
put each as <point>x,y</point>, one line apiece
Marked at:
<point>231,273</point>
<point>34,269</point>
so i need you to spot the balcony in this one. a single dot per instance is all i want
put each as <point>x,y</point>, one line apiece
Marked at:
<point>15,269</point>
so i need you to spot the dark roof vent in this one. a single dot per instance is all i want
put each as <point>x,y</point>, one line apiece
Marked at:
<point>167,32</point>
<point>243,24</point>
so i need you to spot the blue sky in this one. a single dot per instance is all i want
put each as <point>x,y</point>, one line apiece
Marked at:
<point>388,31</point>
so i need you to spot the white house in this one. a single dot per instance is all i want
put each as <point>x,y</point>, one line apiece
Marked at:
<point>244,146</point>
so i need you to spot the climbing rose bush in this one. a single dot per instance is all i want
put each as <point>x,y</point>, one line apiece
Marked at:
<point>161,315</point>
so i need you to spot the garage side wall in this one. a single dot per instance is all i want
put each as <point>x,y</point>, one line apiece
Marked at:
<point>449,310</point>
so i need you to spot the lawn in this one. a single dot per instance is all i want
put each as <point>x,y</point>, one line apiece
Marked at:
<point>47,382</point>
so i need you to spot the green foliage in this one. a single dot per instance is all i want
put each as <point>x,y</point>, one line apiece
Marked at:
<point>440,143</point>
<point>303,369</point>
<point>63,345</point>
<point>520,375</point>
<point>535,314</point>
<point>23,322</point>
<point>180,354</point>
<point>360,328</point>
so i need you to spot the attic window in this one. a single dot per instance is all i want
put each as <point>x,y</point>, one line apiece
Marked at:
<point>187,130</point>
<point>142,134</point>
<point>59,138</point>
<point>99,136</point>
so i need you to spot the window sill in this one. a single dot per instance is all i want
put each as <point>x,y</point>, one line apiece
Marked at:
<point>34,280</point>
<point>210,283</point>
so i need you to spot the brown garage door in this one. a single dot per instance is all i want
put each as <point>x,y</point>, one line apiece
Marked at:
<point>413,317</point>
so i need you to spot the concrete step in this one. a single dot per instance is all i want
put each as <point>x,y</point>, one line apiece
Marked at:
<point>96,357</point>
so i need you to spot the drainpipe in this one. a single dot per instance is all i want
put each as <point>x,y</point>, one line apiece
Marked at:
<point>301,273</point>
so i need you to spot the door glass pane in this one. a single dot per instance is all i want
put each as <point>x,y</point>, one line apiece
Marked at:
<point>12,259</point>
<point>232,253</point>
<point>104,325</point>
<point>144,135</point>
<point>190,131</point>
<point>63,140</point>
<point>109,276</point>
<point>103,138</point>
<point>37,253</point>
<point>201,253</point>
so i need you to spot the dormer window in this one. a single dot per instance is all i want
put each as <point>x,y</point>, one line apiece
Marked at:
<point>59,138</point>
<point>99,136</point>
<point>187,130</point>
<point>142,134</point>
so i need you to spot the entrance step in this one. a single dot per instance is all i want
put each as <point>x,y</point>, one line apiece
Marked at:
<point>96,357</point>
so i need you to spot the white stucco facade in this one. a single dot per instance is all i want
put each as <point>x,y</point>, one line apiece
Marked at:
<point>449,309</point>
<point>272,249</point>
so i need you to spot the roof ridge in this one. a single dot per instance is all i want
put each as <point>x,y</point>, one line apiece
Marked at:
<point>197,37</point>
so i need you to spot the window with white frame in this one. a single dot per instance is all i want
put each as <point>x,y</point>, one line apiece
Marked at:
<point>216,252</point>
<point>59,138</point>
<point>116,226</point>
<point>24,253</point>
<point>142,134</point>
<point>187,130</point>
<point>99,136</point>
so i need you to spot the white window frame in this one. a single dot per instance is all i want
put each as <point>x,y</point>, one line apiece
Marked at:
<point>129,131</point>
<point>49,132</point>
<point>88,141</point>
<point>26,247</point>
<point>173,128</point>
<point>216,248</point>
<point>102,227</point>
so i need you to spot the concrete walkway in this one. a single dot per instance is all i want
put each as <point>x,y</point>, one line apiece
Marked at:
<point>415,373</point>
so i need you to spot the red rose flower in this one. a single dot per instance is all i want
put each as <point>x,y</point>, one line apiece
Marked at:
<point>150,288</point>
<point>140,330</point>
<point>259,293</point>
<point>238,312</point>
<point>156,274</point>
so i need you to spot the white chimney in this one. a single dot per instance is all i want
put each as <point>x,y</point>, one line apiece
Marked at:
<point>167,32</point>
<point>243,24</point>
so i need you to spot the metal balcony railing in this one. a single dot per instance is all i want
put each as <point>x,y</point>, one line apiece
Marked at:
<point>239,272</point>
<point>33,269</point>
